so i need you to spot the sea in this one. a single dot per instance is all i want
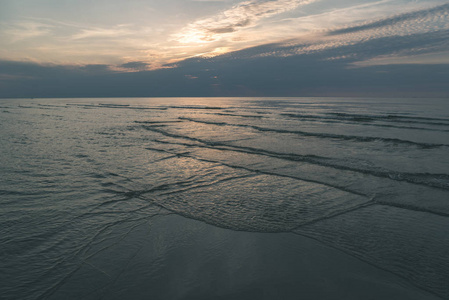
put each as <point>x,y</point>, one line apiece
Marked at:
<point>224,198</point>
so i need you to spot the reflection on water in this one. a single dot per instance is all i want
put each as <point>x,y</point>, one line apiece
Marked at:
<point>98,197</point>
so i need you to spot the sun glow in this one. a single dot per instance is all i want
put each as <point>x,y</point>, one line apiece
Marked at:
<point>217,51</point>
<point>195,35</point>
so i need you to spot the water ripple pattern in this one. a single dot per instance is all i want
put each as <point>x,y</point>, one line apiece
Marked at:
<point>369,177</point>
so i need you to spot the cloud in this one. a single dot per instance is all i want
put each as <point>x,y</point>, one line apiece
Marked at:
<point>118,30</point>
<point>435,13</point>
<point>302,75</point>
<point>336,53</point>
<point>52,41</point>
<point>249,23</point>
<point>133,66</point>
<point>93,68</point>
<point>434,58</point>
<point>408,34</point>
<point>25,30</point>
<point>242,15</point>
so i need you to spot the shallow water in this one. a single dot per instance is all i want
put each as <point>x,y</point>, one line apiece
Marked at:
<point>367,179</point>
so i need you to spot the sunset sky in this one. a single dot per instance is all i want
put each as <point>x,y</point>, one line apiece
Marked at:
<point>224,48</point>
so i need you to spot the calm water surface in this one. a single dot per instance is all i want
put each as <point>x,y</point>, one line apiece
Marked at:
<point>203,198</point>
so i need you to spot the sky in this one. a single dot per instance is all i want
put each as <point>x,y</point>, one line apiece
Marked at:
<point>145,48</point>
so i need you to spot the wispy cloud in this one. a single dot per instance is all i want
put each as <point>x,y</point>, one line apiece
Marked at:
<point>434,58</point>
<point>26,30</point>
<point>437,15</point>
<point>418,32</point>
<point>293,26</point>
<point>53,41</point>
<point>116,31</point>
<point>242,15</point>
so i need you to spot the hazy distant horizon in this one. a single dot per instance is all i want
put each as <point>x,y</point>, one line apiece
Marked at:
<point>222,97</point>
